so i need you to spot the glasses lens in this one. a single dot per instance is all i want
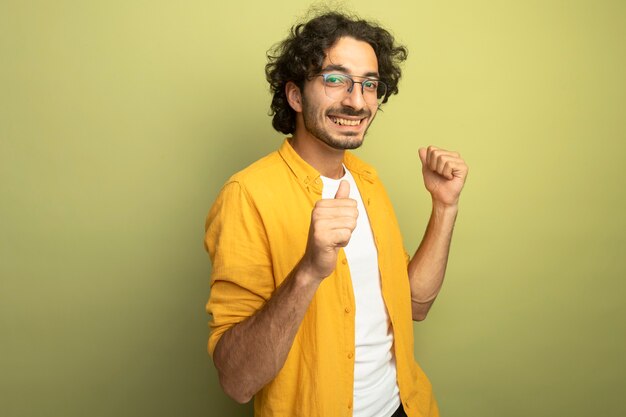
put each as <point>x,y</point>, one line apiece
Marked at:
<point>374,90</point>
<point>338,86</point>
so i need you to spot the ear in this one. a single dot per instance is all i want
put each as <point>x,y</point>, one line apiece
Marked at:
<point>294,96</point>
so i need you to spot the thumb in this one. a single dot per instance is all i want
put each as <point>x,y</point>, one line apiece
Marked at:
<point>422,154</point>
<point>344,190</point>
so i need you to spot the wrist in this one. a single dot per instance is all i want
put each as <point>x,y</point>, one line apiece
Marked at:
<point>304,274</point>
<point>445,208</point>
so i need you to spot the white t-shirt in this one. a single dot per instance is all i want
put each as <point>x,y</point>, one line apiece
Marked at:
<point>376,392</point>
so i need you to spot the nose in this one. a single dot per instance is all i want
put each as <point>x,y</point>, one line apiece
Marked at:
<point>355,98</point>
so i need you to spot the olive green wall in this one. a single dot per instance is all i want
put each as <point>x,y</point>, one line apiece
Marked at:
<point>119,121</point>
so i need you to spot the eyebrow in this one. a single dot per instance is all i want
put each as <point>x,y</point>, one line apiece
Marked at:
<point>341,68</point>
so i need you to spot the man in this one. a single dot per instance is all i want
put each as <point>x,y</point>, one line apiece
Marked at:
<point>312,292</point>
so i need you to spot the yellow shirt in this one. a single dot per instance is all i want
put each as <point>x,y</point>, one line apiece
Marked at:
<point>256,233</point>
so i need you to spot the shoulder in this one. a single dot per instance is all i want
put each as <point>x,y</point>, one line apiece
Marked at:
<point>267,172</point>
<point>258,185</point>
<point>236,202</point>
<point>268,165</point>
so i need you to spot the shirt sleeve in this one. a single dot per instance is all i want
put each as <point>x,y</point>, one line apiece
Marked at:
<point>241,279</point>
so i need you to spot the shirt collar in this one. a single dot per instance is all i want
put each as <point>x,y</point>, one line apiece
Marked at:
<point>309,175</point>
<point>360,168</point>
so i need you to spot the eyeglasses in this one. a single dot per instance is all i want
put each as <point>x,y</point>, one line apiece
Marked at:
<point>339,86</point>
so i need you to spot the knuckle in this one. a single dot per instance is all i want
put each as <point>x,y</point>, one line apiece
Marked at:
<point>318,236</point>
<point>345,234</point>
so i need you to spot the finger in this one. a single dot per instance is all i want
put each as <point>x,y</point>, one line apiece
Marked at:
<point>433,153</point>
<point>329,203</point>
<point>454,168</point>
<point>321,213</point>
<point>344,190</point>
<point>329,237</point>
<point>422,154</point>
<point>440,158</point>
<point>348,223</point>
<point>444,163</point>
<point>432,157</point>
<point>459,169</point>
<point>447,170</point>
<point>341,237</point>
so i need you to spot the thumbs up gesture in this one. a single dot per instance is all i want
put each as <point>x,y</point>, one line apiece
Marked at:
<point>332,224</point>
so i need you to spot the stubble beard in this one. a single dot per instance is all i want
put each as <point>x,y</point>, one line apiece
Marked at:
<point>347,141</point>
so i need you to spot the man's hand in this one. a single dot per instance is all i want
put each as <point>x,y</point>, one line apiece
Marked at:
<point>332,224</point>
<point>444,174</point>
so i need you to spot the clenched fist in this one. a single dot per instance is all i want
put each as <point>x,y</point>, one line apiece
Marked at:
<point>332,224</point>
<point>444,174</point>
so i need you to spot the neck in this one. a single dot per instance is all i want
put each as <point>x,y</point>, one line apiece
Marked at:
<point>327,160</point>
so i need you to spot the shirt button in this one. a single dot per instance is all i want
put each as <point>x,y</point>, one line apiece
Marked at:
<point>344,261</point>
<point>350,355</point>
<point>317,180</point>
<point>350,405</point>
<point>347,310</point>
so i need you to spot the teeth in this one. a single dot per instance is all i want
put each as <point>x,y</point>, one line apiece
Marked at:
<point>346,122</point>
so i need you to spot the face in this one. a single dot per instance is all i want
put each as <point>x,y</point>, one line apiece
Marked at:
<point>341,124</point>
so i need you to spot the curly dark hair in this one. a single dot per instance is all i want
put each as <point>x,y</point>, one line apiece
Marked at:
<point>301,55</point>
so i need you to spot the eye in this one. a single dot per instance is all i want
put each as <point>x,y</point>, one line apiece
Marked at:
<point>370,85</point>
<point>335,80</point>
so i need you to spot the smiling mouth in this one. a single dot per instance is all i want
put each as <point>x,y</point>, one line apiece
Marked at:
<point>345,122</point>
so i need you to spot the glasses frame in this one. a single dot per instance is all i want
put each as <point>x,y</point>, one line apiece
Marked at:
<point>379,100</point>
